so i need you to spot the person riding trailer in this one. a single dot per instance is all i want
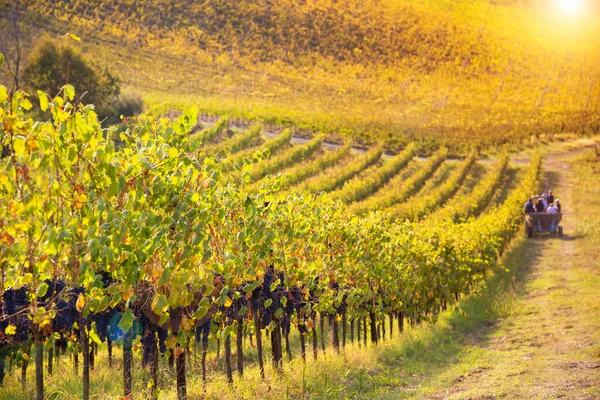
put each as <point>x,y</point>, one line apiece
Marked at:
<point>542,220</point>
<point>529,207</point>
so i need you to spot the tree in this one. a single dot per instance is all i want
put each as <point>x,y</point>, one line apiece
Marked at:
<point>11,37</point>
<point>52,66</point>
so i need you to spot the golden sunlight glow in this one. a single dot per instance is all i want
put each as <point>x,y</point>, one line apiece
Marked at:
<point>571,6</point>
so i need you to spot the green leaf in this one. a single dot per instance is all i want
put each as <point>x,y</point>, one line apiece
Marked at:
<point>252,287</point>
<point>126,321</point>
<point>208,290</point>
<point>163,319</point>
<point>268,302</point>
<point>165,277</point>
<point>42,290</point>
<point>159,303</point>
<point>200,313</point>
<point>3,94</point>
<point>69,92</point>
<point>1,59</point>
<point>103,304</point>
<point>43,100</point>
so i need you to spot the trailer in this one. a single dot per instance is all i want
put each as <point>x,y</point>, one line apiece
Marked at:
<point>541,222</point>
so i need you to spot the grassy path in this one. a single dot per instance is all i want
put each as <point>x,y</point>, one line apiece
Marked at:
<point>546,341</point>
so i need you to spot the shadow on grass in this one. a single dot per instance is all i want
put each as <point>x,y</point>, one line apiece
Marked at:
<point>507,185</point>
<point>429,350</point>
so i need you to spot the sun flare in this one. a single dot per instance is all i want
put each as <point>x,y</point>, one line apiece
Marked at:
<point>571,6</point>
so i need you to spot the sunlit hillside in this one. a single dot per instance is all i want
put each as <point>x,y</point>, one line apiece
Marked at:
<point>299,199</point>
<point>394,70</point>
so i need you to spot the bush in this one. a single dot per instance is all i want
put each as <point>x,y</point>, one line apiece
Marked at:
<point>51,66</point>
<point>126,104</point>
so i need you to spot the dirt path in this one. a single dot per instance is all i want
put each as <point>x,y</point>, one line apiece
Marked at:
<point>549,344</point>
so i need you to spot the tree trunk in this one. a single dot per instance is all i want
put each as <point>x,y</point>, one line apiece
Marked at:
<point>181,375</point>
<point>228,359</point>
<point>401,322</point>
<point>288,349</point>
<point>240,347</point>
<point>358,330</point>
<point>344,329</point>
<point>364,324</point>
<point>391,325</point>
<point>172,360</point>
<point>322,323</point>
<point>373,327</point>
<point>76,361</point>
<point>335,338</point>
<point>259,347</point>
<point>276,348</point>
<point>92,357</point>
<point>26,350</point>
<point>352,331</point>
<point>383,327</point>
<point>154,371</point>
<point>39,363</point>
<point>85,344</point>
<point>315,340</point>
<point>2,371</point>
<point>127,366</point>
<point>302,329</point>
<point>109,347</point>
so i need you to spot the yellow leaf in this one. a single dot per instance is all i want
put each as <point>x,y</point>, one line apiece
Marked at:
<point>228,302</point>
<point>45,321</point>
<point>178,352</point>
<point>236,281</point>
<point>10,330</point>
<point>171,342</point>
<point>185,323</point>
<point>6,238</point>
<point>309,325</point>
<point>80,302</point>
<point>3,94</point>
<point>128,293</point>
<point>81,200</point>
